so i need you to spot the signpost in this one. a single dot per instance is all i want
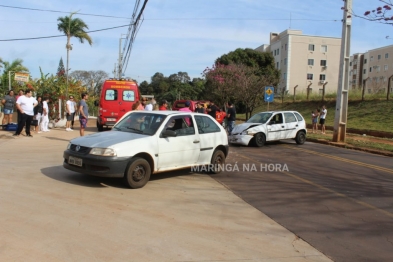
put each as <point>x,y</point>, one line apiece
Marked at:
<point>269,95</point>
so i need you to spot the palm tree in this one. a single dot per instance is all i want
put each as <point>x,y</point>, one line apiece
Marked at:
<point>14,66</point>
<point>72,27</point>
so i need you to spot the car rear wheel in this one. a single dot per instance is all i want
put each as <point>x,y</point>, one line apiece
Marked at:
<point>217,162</point>
<point>138,173</point>
<point>100,128</point>
<point>259,139</point>
<point>300,137</point>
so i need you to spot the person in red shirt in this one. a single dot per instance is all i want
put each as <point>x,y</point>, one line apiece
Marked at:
<point>163,105</point>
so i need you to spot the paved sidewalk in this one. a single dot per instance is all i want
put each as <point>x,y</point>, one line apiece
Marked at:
<point>49,213</point>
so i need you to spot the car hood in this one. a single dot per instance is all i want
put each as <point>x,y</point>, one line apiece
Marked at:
<point>106,139</point>
<point>240,128</point>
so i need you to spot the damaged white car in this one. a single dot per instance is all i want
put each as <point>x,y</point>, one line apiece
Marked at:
<point>270,126</point>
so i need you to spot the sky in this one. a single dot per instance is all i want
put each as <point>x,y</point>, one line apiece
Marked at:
<point>175,35</point>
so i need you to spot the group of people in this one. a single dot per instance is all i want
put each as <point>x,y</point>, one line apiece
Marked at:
<point>152,105</point>
<point>321,115</point>
<point>34,112</point>
<point>28,109</point>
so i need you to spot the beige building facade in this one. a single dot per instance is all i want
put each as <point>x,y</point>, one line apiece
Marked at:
<point>306,62</point>
<point>377,69</point>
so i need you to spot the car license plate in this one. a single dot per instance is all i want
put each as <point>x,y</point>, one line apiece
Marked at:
<point>111,119</point>
<point>74,161</point>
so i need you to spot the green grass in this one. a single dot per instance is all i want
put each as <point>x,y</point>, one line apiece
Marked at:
<point>367,115</point>
<point>380,145</point>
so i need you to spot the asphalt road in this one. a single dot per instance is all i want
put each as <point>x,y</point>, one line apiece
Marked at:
<point>340,201</point>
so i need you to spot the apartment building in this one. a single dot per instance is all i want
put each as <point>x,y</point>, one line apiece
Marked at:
<point>356,71</point>
<point>377,70</point>
<point>306,62</point>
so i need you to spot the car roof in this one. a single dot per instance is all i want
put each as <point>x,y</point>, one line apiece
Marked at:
<point>166,112</point>
<point>287,111</point>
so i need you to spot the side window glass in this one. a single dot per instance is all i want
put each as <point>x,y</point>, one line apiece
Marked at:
<point>111,95</point>
<point>276,119</point>
<point>128,95</point>
<point>299,117</point>
<point>289,117</point>
<point>206,125</point>
<point>182,125</point>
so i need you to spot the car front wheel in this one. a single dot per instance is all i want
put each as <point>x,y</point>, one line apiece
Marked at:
<point>217,162</point>
<point>100,128</point>
<point>300,138</point>
<point>259,139</point>
<point>138,173</point>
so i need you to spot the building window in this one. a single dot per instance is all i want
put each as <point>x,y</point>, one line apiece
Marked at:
<point>310,62</point>
<point>310,47</point>
<point>278,65</point>
<point>379,57</point>
<point>323,48</point>
<point>285,76</point>
<point>323,63</point>
<point>355,71</point>
<point>322,77</point>
<point>371,69</point>
<point>385,67</point>
<point>378,68</point>
<point>387,55</point>
<point>310,76</point>
<point>285,61</point>
<point>371,58</point>
<point>286,46</point>
<point>364,71</point>
<point>278,51</point>
<point>274,52</point>
<point>365,61</point>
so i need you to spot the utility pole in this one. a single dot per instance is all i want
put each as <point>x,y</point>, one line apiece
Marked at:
<point>9,80</point>
<point>340,119</point>
<point>120,57</point>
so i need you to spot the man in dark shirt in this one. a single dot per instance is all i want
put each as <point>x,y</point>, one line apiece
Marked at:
<point>212,109</point>
<point>231,116</point>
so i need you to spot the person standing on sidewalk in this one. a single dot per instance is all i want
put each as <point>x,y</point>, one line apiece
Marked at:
<point>45,115</point>
<point>20,93</point>
<point>25,104</point>
<point>70,108</point>
<point>231,117</point>
<point>8,103</point>
<point>322,119</point>
<point>83,113</point>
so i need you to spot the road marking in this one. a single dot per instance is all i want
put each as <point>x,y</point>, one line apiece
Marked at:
<point>388,170</point>
<point>328,190</point>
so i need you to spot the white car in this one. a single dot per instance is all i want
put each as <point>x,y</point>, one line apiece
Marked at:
<point>270,126</point>
<point>142,143</point>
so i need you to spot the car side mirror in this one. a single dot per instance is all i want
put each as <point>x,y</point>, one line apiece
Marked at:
<point>168,133</point>
<point>96,103</point>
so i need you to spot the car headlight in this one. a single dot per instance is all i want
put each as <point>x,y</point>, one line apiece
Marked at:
<point>69,146</point>
<point>102,151</point>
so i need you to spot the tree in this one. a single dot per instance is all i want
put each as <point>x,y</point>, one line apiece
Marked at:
<point>92,80</point>
<point>14,66</point>
<point>73,27</point>
<point>60,68</point>
<point>380,14</point>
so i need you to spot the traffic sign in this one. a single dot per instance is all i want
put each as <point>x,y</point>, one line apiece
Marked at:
<point>269,94</point>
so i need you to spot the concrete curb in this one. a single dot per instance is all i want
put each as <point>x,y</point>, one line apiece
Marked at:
<point>343,145</point>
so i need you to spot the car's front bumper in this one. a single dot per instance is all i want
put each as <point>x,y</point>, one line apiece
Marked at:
<point>240,139</point>
<point>102,166</point>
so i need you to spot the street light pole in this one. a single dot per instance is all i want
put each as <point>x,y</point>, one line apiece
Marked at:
<point>9,79</point>
<point>120,57</point>
<point>340,119</point>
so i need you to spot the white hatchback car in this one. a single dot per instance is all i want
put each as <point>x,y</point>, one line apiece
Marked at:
<point>142,143</point>
<point>270,126</point>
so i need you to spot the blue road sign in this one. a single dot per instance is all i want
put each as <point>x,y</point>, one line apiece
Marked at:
<point>269,94</point>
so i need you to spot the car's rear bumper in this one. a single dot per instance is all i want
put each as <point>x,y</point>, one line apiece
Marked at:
<point>101,166</point>
<point>240,139</point>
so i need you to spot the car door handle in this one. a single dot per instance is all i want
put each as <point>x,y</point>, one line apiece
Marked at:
<point>196,141</point>
<point>297,125</point>
<point>282,126</point>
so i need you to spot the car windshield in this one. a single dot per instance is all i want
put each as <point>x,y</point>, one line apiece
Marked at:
<point>260,118</point>
<point>140,123</point>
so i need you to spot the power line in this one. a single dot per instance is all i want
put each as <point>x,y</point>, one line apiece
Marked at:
<point>53,36</point>
<point>55,11</point>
